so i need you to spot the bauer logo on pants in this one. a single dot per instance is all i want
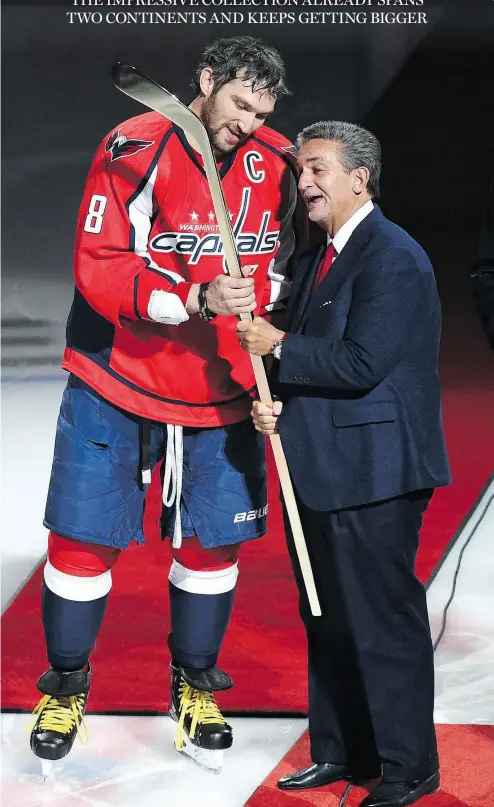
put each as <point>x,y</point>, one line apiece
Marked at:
<point>250,515</point>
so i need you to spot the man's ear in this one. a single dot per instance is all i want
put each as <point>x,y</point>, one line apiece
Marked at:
<point>360,180</point>
<point>206,82</point>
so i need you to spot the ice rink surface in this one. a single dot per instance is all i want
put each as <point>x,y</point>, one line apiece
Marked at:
<point>465,654</point>
<point>131,760</point>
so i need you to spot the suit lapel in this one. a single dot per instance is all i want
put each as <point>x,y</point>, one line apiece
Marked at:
<point>301,294</point>
<point>341,267</point>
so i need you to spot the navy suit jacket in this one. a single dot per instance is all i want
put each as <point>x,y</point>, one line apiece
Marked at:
<point>358,373</point>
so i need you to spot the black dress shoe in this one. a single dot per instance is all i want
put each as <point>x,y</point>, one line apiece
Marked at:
<point>320,774</point>
<point>401,794</point>
<point>317,775</point>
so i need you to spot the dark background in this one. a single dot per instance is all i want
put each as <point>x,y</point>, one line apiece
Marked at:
<point>427,92</point>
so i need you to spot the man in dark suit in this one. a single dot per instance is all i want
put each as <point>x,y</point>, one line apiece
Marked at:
<point>361,427</point>
<point>483,274</point>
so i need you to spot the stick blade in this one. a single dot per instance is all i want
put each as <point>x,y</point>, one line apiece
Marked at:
<point>123,75</point>
<point>141,88</point>
<point>137,85</point>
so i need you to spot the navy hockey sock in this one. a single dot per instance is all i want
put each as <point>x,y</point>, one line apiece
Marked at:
<point>71,628</point>
<point>200,605</point>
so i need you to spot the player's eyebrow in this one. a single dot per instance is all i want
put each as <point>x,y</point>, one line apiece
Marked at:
<point>249,108</point>
<point>243,101</point>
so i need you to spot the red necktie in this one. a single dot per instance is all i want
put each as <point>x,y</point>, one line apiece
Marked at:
<point>324,266</point>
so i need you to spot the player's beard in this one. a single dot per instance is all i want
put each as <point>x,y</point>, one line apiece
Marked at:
<point>213,124</point>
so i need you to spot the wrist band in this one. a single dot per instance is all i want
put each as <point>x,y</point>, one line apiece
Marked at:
<point>204,312</point>
<point>277,344</point>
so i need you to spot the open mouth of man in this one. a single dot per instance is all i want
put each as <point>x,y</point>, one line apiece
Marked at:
<point>313,201</point>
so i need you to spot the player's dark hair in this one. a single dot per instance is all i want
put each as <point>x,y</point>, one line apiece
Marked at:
<point>258,64</point>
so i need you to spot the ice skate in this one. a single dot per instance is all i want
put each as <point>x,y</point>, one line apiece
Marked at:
<point>58,717</point>
<point>202,732</point>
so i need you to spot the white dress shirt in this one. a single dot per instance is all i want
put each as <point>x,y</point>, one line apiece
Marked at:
<point>343,235</point>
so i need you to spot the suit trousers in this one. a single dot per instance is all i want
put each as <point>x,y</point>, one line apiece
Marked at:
<point>371,674</point>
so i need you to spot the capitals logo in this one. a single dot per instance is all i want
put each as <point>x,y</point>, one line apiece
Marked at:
<point>118,145</point>
<point>187,243</point>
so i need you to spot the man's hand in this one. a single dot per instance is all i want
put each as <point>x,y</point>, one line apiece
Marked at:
<point>258,336</point>
<point>265,416</point>
<point>225,296</point>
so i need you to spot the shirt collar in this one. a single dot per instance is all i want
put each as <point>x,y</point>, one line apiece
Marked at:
<point>346,230</point>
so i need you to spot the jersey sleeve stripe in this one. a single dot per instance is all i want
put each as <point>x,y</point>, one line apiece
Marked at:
<point>173,277</point>
<point>151,168</point>
<point>280,288</point>
<point>136,297</point>
<point>141,213</point>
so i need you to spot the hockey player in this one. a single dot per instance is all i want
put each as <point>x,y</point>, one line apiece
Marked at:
<point>156,372</point>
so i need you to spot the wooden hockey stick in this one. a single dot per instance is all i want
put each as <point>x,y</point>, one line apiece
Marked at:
<point>138,86</point>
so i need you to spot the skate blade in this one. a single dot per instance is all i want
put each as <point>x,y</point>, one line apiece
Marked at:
<point>46,768</point>
<point>211,761</point>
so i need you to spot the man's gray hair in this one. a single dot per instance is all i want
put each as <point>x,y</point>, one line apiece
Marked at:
<point>359,147</point>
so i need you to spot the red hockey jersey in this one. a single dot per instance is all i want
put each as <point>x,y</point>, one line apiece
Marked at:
<point>146,227</point>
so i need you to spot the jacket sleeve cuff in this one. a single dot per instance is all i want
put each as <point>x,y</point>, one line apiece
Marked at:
<point>289,362</point>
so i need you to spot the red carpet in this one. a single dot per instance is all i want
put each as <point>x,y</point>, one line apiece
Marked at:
<point>265,647</point>
<point>467,774</point>
<point>470,448</point>
<point>264,650</point>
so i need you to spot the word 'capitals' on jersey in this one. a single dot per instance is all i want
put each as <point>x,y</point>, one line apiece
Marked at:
<point>197,246</point>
